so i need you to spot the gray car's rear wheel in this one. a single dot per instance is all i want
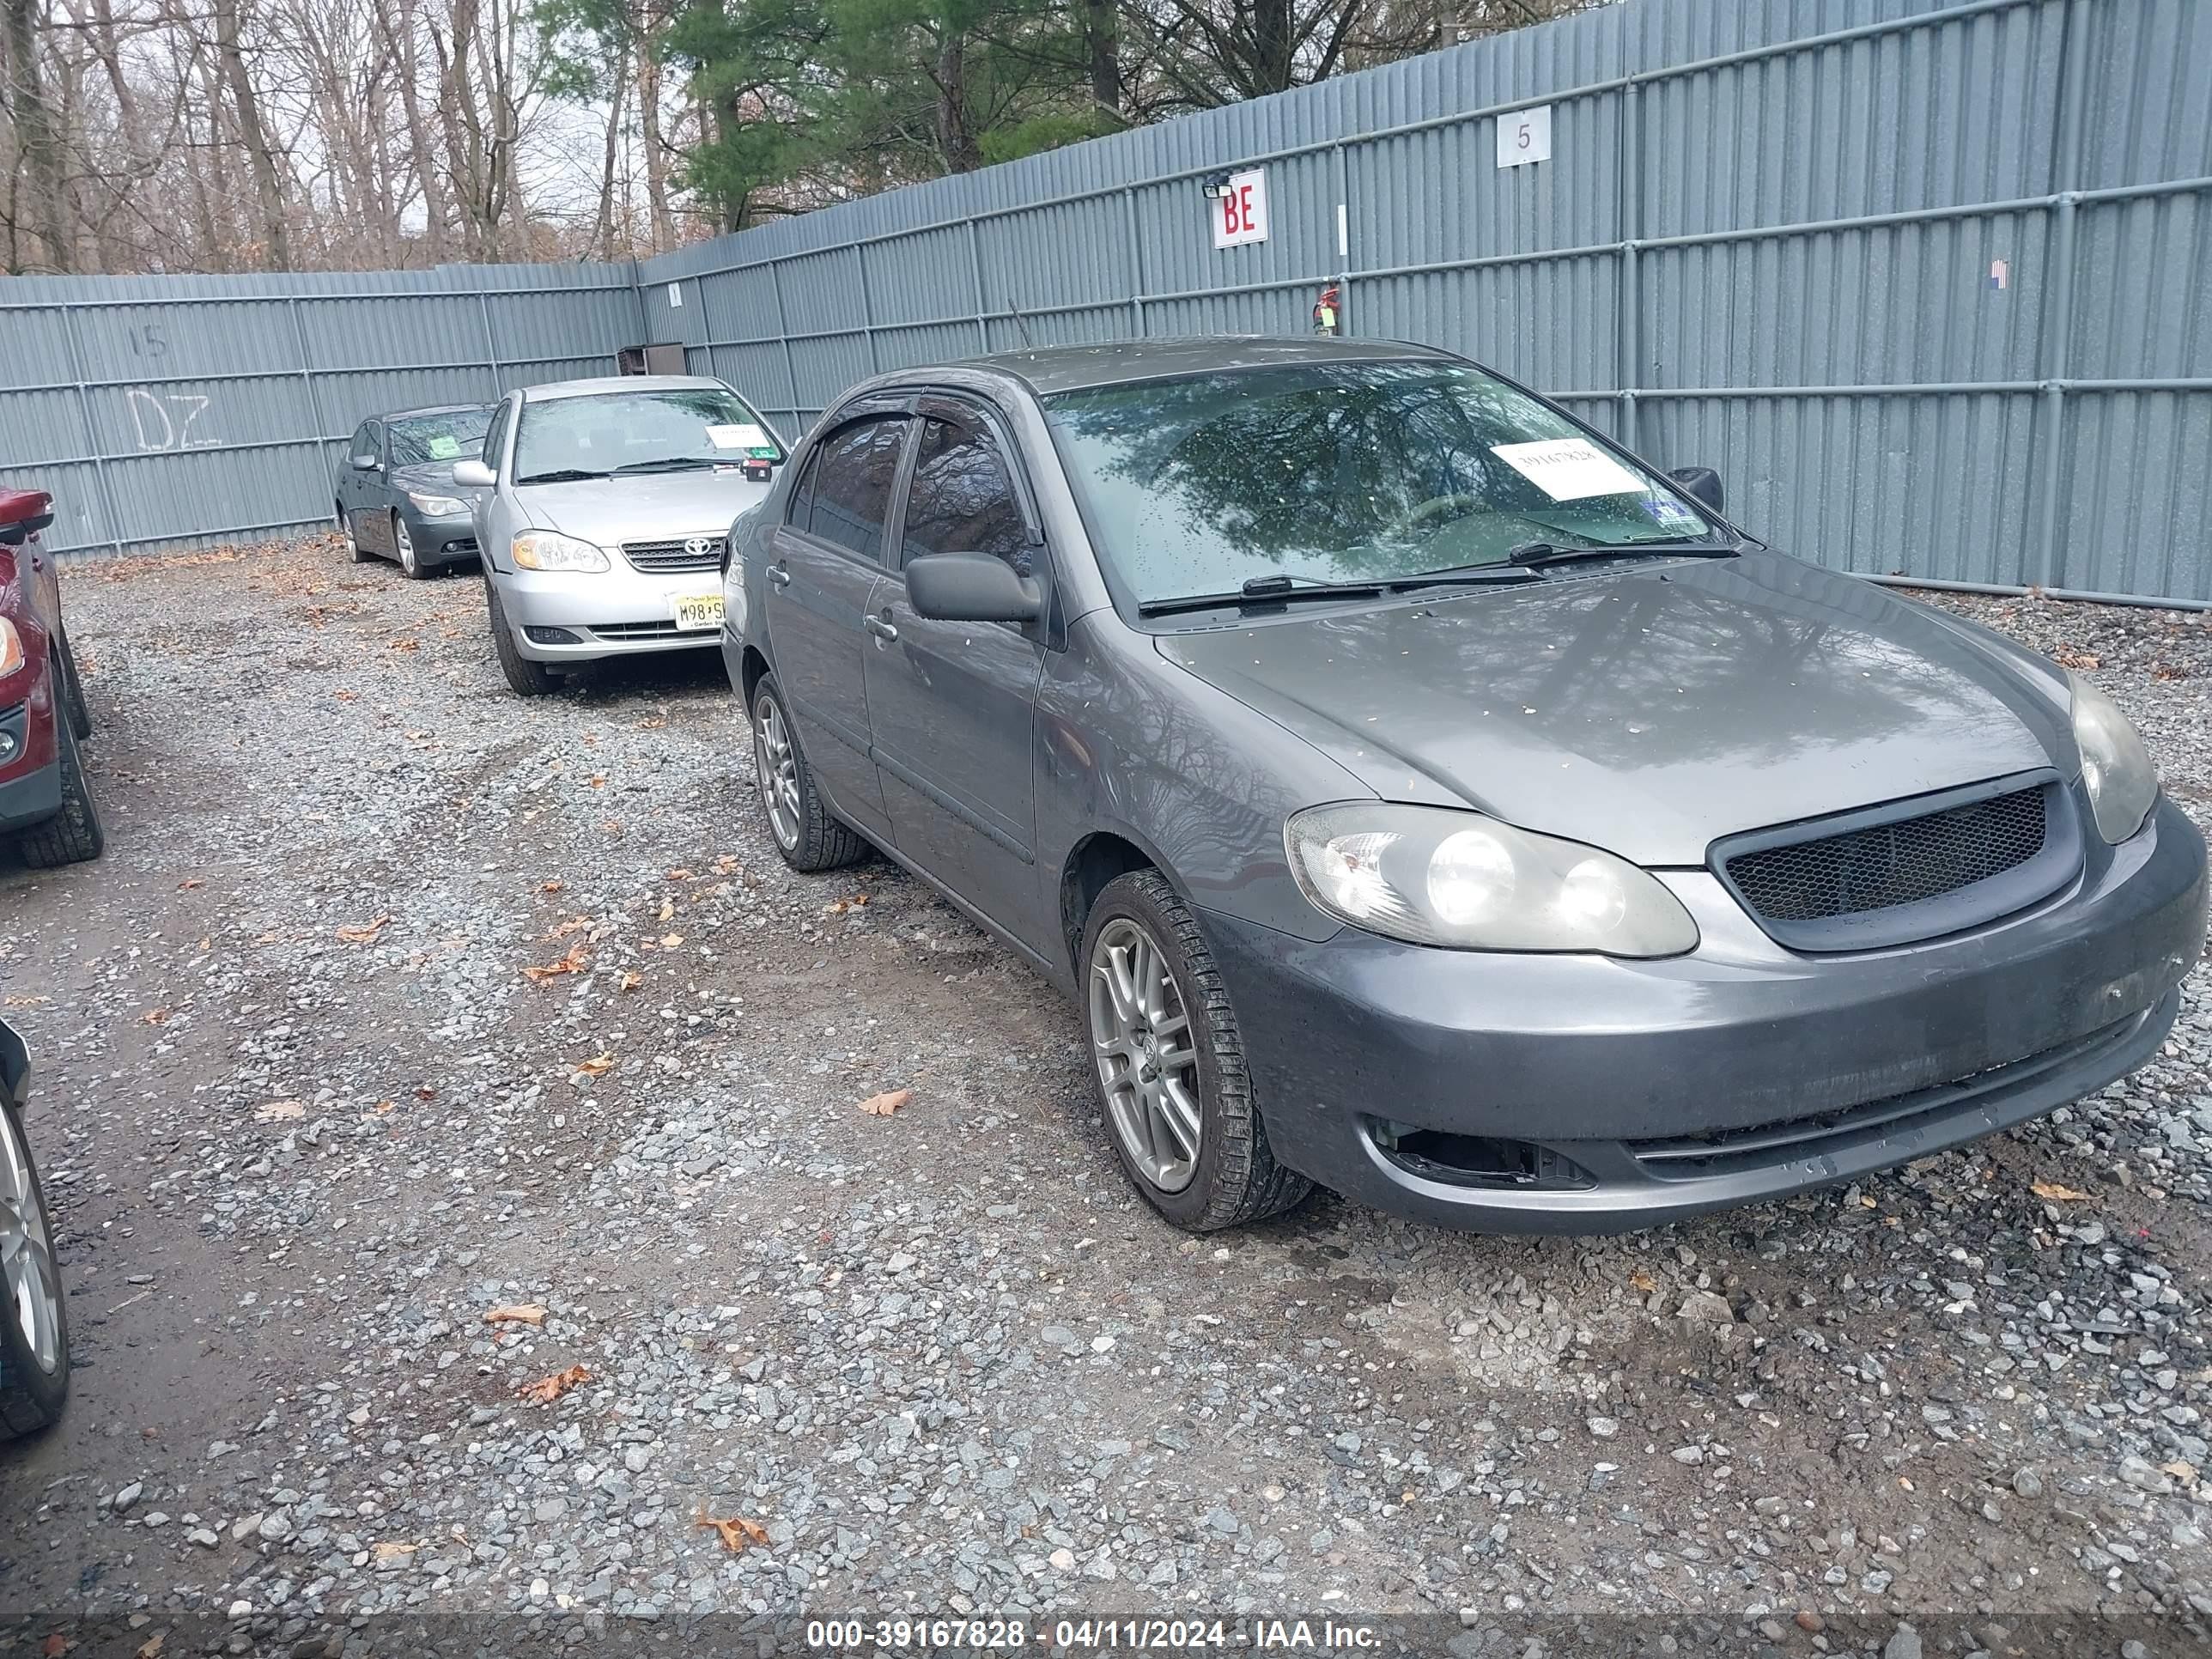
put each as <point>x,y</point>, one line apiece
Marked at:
<point>808,835</point>
<point>1170,1065</point>
<point>34,1353</point>
<point>355,550</point>
<point>403,538</point>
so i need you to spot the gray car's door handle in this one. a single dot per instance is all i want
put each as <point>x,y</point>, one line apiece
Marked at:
<point>882,629</point>
<point>778,575</point>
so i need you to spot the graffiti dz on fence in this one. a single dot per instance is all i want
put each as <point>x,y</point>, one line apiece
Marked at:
<point>165,421</point>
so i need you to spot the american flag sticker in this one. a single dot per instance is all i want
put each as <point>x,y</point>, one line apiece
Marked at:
<point>2000,273</point>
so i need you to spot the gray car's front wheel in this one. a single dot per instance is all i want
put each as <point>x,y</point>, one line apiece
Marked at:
<point>808,835</point>
<point>410,561</point>
<point>1170,1065</point>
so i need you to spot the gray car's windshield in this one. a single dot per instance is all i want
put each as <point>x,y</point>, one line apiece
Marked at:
<point>418,440</point>
<point>672,430</point>
<point>1331,472</point>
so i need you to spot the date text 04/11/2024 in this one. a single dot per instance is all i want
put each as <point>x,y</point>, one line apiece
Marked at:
<point>1091,1635</point>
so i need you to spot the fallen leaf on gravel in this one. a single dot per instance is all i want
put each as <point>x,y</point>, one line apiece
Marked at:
<point>366,933</point>
<point>406,645</point>
<point>280,1111</point>
<point>574,925</point>
<point>25,1002</point>
<point>151,1647</point>
<point>578,953</point>
<point>632,980</point>
<point>387,1105</point>
<point>57,1644</point>
<point>516,1313</point>
<point>737,1532</point>
<point>1642,1282</point>
<point>838,906</point>
<point>2166,671</point>
<point>2184,1472</point>
<point>668,909</point>
<point>189,883</point>
<point>547,1389</point>
<point>2076,659</point>
<point>597,1066</point>
<point>670,941</point>
<point>551,886</point>
<point>391,1549</point>
<point>154,1017</point>
<point>679,875</point>
<point>885,1105</point>
<point>599,781</point>
<point>2056,1194</point>
<point>347,697</point>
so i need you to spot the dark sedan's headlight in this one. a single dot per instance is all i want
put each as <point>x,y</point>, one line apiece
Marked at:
<point>437,507</point>
<point>1431,875</point>
<point>2115,767</point>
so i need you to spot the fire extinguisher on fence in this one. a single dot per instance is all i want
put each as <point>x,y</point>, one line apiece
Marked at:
<point>1325,310</point>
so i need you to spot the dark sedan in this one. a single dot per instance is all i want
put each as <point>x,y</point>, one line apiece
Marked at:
<point>1425,797</point>
<point>395,494</point>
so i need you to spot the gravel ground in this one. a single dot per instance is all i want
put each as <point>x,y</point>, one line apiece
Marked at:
<point>306,1118</point>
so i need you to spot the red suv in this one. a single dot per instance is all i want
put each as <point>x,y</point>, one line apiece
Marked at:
<point>44,802</point>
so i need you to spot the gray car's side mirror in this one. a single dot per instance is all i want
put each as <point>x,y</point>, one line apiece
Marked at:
<point>971,587</point>
<point>474,475</point>
<point>1701,484</point>
<point>364,463</point>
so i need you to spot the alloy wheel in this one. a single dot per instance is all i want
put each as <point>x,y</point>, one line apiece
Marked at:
<point>1147,1064</point>
<point>26,1254</point>
<point>776,764</point>
<point>403,542</point>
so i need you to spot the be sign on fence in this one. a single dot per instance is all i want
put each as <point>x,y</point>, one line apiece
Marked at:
<point>1240,212</point>
<point>1524,136</point>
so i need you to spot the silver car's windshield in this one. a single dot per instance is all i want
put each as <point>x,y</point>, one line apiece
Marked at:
<point>667,430</point>
<point>1333,472</point>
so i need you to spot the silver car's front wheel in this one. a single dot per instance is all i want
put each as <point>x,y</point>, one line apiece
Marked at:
<point>1147,1064</point>
<point>776,764</point>
<point>27,1253</point>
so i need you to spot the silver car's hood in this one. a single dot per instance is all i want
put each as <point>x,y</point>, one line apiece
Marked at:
<point>649,507</point>
<point>1650,711</point>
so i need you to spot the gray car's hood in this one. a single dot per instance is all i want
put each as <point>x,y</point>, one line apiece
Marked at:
<point>1647,711</point>
<point>433,478</point>
<point>646,507</point>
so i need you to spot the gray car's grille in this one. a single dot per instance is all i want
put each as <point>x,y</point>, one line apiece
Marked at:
<point>676,555</point>
<point>1890,864</point>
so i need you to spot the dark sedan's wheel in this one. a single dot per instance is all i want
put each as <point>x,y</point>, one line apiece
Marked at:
<point>355,550</point>
<point>1170,1065</point>
<point>411,562</point>
<point>74,834</point>
<point>806,833</point>
<point>525,679</point>
<point>73,699</point>
<point>35,1360</point>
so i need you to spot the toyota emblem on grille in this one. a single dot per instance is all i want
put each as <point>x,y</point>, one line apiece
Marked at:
<point>700,546</point>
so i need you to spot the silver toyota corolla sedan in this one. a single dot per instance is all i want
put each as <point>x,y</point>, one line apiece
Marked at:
<point>605,509</point>
<point>1425,797</point>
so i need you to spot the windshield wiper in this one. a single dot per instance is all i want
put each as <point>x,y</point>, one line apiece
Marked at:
<point>1283,589</point>
<point>1460,575</point>
<point>1529,553</point>
<point>666,463</point>
<point>562,474</point>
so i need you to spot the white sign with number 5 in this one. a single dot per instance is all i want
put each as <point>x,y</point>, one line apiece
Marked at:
<point>1525,135</point>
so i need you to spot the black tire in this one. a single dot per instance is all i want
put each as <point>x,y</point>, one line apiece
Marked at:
<point>73,698</point>
<point>30,1395</point>
<point>355,550</point>
<point>818,840</point>
<point>1236,1179</point>
<point>409,555</point>
<point>525,679</point>
<point>73,834</point>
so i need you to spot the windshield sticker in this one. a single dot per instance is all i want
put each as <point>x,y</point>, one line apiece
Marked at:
<point>1666,510</point>
<point>738,435</point>
<point>1569,469</point>
<point>444,448</point>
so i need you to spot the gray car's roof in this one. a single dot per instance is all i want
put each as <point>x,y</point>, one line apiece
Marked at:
<point>1063,368</point>
<point>607,383</point>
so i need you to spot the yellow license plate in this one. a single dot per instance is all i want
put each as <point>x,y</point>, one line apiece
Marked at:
<point>698,611</point>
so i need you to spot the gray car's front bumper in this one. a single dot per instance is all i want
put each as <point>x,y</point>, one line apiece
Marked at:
<point>1642,1092</point>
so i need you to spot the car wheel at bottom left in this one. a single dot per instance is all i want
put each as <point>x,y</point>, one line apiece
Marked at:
<point>74,834</point>
<point>35,1347</point>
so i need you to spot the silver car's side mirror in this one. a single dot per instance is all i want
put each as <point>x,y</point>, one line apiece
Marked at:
<point>474,475</point>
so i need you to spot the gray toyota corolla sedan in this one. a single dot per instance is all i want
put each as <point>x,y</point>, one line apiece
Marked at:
<point>1425,797</point>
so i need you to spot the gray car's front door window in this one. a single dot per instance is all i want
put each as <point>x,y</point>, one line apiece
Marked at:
<point>952,704</point>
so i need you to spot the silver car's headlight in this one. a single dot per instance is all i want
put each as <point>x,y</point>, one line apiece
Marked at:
<point>1433,876</point>
<point>437,507</point>
<point>2116,768</point>
<point>548,549</point>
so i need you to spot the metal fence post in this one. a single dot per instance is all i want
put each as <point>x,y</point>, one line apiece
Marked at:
<point>492,339</point>
<point>102,489</point>
<point>975,271</point>
<point>783,334</point>
<point>1341,173</point>
<point>308,379</point>
<point>867,306</point>
<point>2046,437</point>
<point>1136,262</point>
<point>1628,330</point>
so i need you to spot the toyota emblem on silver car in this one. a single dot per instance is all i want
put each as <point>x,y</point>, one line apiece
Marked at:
<point>700,546</point>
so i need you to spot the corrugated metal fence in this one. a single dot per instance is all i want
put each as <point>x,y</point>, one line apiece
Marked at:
<point>1931,284</point>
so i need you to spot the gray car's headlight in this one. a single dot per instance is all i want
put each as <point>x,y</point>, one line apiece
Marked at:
<point>1433,876</point>
<point>548,549</point>
<point>2116,768</point>
<point>437,507</point>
